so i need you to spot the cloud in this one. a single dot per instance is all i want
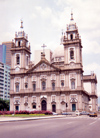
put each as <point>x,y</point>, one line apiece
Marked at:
<point>90,47</point>
<point>43,12</point>
<point>93,66</point>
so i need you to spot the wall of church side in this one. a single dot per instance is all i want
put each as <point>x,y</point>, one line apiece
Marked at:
<point>58,104</point>
<point>12,61</point>
<point>22,60</point>
<point>48,102</point>
<point>66,55</point>
<point>78,54</point>
<point>68,102</point>
<point>57,81</point>
<point>79,102</point>
<point>11,104</point>
<point>87,87</point>
<point>30,82</point>
<point>67,80</point>
<point>22,107</point>
<point>93,104</point>
<point>79,80</point>
<point>48,82</point>
<point>93,90</point>
<point>12,85</point>
<point>21,84</point>
<point>38,82</point>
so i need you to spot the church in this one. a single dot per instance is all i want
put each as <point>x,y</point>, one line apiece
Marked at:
<point>57,85</point>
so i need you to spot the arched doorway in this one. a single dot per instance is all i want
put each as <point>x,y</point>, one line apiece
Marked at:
<point>44,105</point>
<point>73,107</point>
<point>53,108</point>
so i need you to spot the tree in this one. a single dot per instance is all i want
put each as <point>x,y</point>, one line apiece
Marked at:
<point>4,104</point>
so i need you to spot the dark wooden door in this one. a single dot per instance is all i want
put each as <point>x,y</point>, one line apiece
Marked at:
<point>44,105</point>
<point>73,107</point>
<point>53,108</point>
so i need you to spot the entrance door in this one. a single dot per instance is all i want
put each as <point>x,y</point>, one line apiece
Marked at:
<point>73,107</point>
<point>44,105</point>
<point>53,108</point>
<point>17,108</point>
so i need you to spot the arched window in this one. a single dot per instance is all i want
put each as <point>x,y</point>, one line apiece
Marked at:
<point>71,54</point>
<point>62,83</point>
<point>43,85</point>
<point>18,43</point>
<point>26,85</point>
<point>71,36</point>
<point>53,85</point>
<point>72,84</point>
<point>17,59</point>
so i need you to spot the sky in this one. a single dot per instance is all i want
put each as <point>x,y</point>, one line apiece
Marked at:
<point>44,21</point>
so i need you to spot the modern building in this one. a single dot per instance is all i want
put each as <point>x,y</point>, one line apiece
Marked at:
<point>4,81</point>
<point>4,73</point>
<point>57,85</point>
<point>3,53</point>
<point>8,52</point>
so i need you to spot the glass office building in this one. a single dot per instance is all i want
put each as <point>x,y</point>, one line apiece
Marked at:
<point>3,53</point>
<point>4,81</point>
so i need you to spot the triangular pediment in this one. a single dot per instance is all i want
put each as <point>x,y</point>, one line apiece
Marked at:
<point>43,65</point>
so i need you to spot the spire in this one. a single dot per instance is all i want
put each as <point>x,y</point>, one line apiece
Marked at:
<point>71,15</point>
<point>21,24</point>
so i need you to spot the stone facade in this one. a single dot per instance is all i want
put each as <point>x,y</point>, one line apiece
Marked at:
<point>56,85</point>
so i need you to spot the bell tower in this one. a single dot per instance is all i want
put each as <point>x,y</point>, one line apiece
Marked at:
<point>20,52</point>
<point>73,55</point>
<point>72,46</point>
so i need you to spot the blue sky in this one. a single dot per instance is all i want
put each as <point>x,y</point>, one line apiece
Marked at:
<point>44,21</point>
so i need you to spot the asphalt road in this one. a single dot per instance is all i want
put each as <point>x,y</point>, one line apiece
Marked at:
<point>67,127</point>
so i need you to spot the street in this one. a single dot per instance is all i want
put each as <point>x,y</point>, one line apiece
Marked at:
<point>66,127</point>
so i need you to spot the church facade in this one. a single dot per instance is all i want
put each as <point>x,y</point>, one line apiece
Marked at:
<point>57,85</point>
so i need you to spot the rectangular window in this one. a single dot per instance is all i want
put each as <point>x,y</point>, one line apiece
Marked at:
<point>53,86</point>
<point>43,85</point>
<point>17,87</point>
<point>17,59</point>
<point>73,84</point>
<point>34,87</point>
<point>71,53</point>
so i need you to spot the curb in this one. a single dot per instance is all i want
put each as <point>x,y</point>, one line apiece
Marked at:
<point>28,119</point>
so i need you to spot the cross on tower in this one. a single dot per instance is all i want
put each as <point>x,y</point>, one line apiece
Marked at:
<point>43,47</point>
<point>21,24</point>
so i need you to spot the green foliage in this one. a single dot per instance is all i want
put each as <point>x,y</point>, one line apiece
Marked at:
<point>4,104</point>
<point>25,115</point>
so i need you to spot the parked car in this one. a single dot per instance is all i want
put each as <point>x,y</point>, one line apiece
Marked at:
<point>94,114</point>
<point>66,113</point>
<point>84,113</point>
<point>77,112</point>
<point>54,113</point>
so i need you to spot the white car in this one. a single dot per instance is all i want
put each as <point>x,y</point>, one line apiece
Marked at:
<point>54,113</point>
<point>77,112</point>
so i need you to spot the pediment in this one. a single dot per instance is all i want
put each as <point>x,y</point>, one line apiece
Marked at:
<point>43,66</point>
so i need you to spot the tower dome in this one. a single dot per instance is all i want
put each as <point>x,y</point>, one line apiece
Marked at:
<point>58,55</point>
<point>59,51</point>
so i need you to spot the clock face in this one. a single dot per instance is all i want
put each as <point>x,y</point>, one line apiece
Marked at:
<point>17,69</point>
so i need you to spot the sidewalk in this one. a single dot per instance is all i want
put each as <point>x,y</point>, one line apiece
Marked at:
<point>12,119</point>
